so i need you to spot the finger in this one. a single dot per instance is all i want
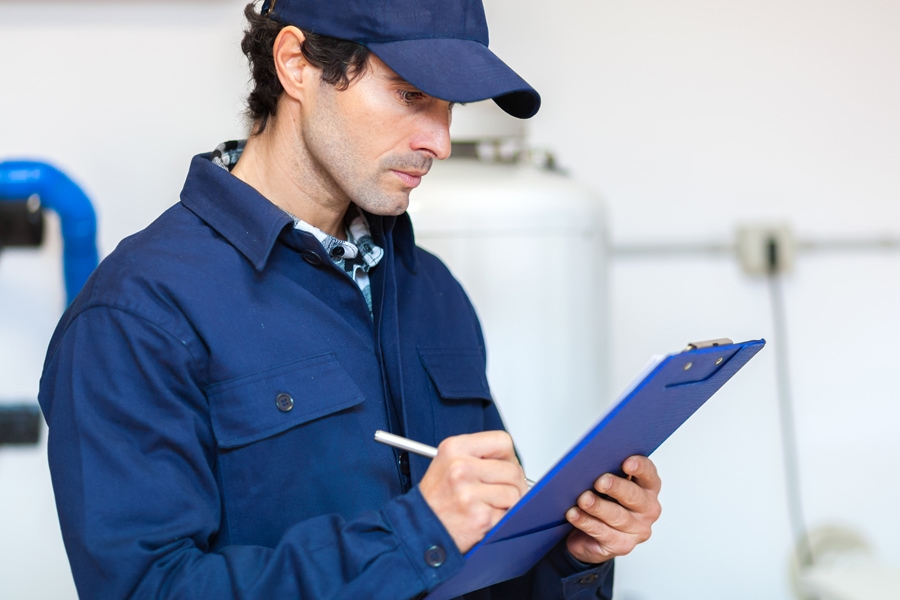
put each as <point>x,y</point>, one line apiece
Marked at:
<point>500,472</point>
<point>484,444</point>
<point>500,497</point>
<point>617,533</point>
<point>596,514</point>
<point>585,548</point>
<point>627,493</point>
<point>468,470</point>
<point>608,513</point>
<point>475,497</point>
<point>601,544</point>
<point>642,470</point>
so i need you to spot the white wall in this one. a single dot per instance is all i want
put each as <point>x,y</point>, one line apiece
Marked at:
<point>689,117</point>
<point>692,118</point>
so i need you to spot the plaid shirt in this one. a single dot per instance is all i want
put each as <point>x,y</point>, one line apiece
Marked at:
<point>356,255</point>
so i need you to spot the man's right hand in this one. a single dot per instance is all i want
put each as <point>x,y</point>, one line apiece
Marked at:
<point>472,482</point>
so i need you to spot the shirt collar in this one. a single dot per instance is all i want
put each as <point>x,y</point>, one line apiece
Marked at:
<point>358,251</point>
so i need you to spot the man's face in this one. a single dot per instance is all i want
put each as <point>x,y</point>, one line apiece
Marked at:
<point>372,143</point>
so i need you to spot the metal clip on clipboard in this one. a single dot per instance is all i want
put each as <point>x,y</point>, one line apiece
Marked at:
<point>708,344</point>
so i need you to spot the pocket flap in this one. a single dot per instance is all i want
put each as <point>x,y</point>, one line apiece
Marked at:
<point>257,406</point>
<point>457,373</point>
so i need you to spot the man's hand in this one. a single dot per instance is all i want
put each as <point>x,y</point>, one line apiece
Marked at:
<point>605,528</point>
<point>472,482</point>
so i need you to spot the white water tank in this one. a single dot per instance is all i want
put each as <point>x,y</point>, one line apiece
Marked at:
<point>529,246</point>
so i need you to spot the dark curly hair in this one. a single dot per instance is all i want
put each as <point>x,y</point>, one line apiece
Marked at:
<point>341,62</point>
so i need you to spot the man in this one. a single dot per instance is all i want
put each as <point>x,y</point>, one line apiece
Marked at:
<point>213,391</point>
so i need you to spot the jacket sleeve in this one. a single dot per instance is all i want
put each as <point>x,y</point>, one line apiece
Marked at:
<point>133,462</point>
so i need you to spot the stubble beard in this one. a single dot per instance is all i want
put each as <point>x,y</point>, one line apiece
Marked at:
<point>377,191</point>
<point>376,199</point>
<point>345,178</point>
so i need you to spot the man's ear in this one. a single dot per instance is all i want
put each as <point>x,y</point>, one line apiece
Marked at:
<point>294,71</point>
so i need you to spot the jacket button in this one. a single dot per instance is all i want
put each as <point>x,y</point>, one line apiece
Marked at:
<point>311,257</point>
<point>403,461</point>
<point>435,556</point>
<point>588,579</point>
<point>284,402</point>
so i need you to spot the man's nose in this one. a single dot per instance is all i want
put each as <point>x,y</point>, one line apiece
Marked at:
<point>434,135</point>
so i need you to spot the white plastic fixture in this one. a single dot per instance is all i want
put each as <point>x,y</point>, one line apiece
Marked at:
<point>765,248</point>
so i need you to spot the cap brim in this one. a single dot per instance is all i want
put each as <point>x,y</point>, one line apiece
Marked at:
<point>459,71</point>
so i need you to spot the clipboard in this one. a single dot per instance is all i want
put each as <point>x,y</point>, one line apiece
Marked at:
<point>662,398</point>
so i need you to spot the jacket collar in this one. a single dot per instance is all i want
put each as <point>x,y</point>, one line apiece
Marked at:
<point>252,224</point>
<point>404,240</point>
<point>235,210</point>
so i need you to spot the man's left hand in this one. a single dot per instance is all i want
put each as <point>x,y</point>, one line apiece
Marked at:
<point>606,528</point>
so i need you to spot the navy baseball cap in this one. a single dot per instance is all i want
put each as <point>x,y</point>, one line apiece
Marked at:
<point>439,46</point>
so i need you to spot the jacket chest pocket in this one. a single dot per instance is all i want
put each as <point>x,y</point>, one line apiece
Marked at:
<point>262,405</point>
<point>459,380</point>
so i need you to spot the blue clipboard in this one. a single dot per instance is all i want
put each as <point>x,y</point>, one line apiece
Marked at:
<point>657,404</point>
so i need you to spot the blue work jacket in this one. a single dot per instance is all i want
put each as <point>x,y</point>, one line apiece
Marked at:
<point>212,395</point>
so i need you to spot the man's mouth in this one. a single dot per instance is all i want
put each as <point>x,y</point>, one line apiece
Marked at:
<point>410,178</point>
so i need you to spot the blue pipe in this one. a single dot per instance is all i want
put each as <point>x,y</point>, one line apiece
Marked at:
<point>22,179</point>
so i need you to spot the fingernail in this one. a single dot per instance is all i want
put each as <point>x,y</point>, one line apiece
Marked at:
<point>604,483</point>
<point>572,514</point>
<point>587,499</point>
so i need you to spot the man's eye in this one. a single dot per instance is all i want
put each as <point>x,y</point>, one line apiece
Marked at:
<point>410,97</point>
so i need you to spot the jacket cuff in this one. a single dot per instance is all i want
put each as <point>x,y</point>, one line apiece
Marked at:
<point>577,564</point>
<point>594,582</point>
<point>431,551</point>
<point>581,580</point>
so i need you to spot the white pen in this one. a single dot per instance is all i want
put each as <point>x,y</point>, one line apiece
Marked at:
<point>415,447</point>
<point>405,444</point>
